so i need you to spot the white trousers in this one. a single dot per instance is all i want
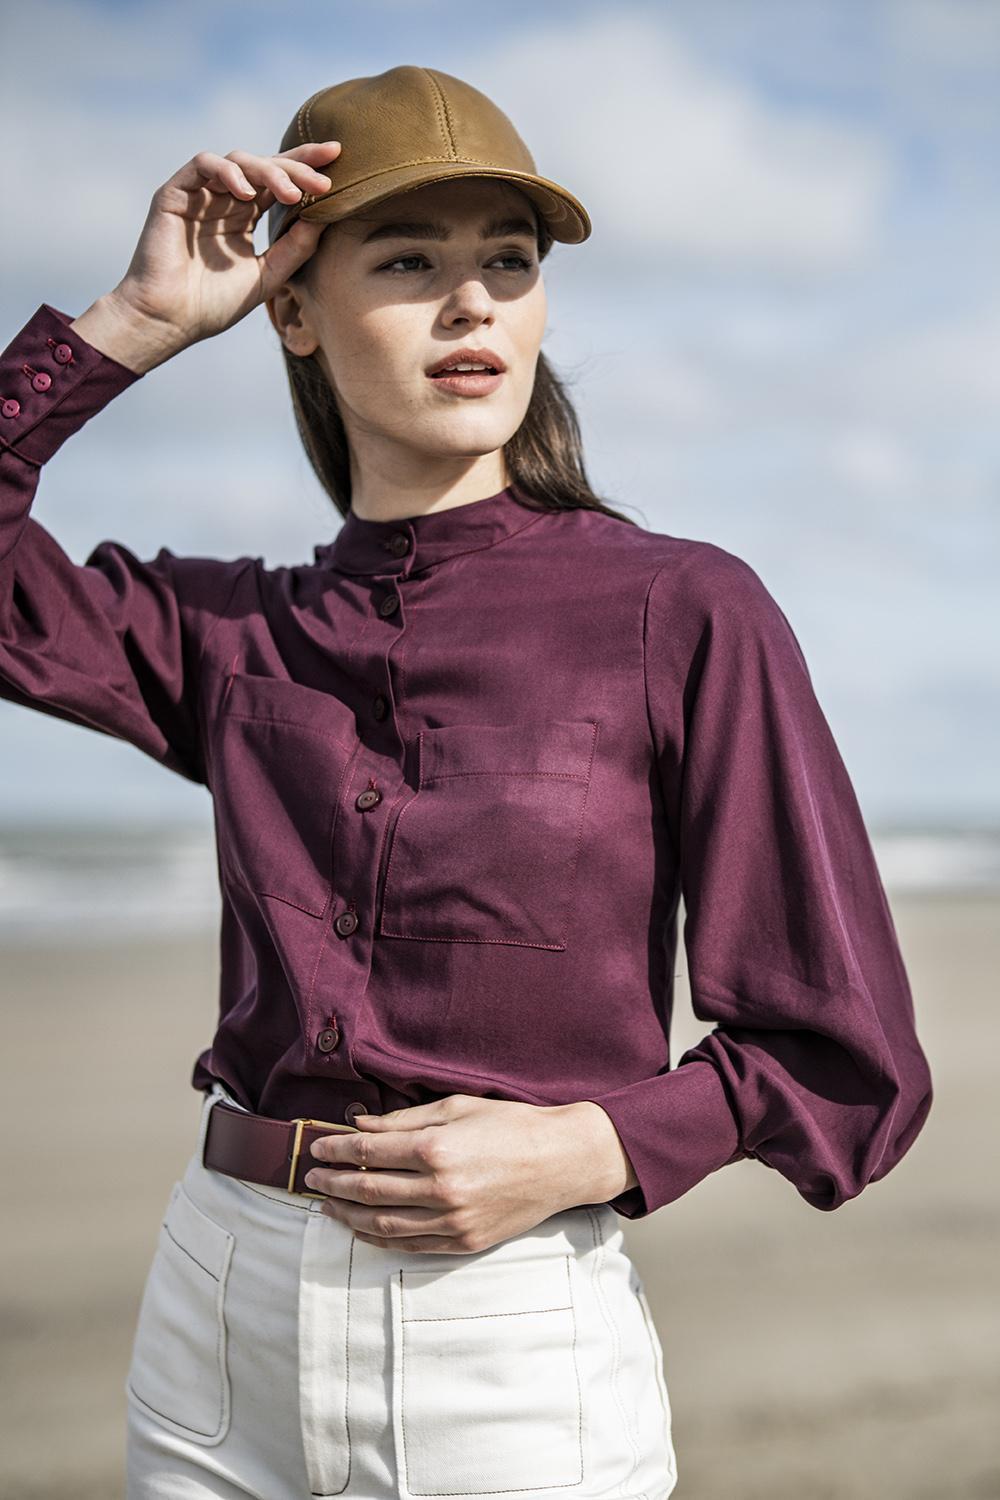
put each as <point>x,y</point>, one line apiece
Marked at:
<point>277,1356</point>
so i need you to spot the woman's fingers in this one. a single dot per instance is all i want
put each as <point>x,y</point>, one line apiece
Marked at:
<point>296,164</point>
<point>287,179</point>
<point>287,254</point>
<point>244,174</point>
<point>312,151</point>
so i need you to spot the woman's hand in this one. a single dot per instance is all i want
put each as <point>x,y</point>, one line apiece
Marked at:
<point>463,1173</point>
<point>194,272</point>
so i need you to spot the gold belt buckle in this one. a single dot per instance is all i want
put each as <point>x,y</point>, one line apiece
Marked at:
<point>300,1122</point>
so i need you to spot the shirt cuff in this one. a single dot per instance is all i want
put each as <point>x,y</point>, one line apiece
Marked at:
<point>51,382</point>
<point>676,1128</point>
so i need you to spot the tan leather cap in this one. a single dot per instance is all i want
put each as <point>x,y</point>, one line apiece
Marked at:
<point>409,126</point>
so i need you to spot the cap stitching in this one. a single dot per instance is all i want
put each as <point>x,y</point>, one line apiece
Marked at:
<point>306,109</point>
<point>419,161</point>
<point>441,109</point>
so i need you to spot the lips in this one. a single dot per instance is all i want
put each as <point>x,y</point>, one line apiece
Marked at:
<point>467,383</point>
<point>488,357</point>
<point>451,371</point>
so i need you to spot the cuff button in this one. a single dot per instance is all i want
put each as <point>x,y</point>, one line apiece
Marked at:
<point>41,381</point>
<point>62,354</point>
<point>10,408</point>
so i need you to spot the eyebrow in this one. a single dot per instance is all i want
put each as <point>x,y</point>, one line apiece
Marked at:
<point>425,230</point>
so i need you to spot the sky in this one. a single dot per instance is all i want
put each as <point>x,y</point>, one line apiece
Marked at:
<point>783,335</point>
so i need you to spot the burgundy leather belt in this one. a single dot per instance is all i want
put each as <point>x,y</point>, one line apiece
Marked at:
<point>274,1153</point>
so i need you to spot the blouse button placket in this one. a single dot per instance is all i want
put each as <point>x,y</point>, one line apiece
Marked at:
<point>398,544</point>
<point>328,1039</point>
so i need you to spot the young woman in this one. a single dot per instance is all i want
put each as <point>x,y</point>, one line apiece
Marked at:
<point>463,766</point>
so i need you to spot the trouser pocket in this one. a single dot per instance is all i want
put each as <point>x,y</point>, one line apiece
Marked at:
<point>178,1372</point>
<point>655,1347</point>
<point>486,1384</point>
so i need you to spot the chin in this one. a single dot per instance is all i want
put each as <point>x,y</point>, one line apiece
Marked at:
<point>474,432</point>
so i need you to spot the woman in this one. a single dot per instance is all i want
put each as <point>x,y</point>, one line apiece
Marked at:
<point>463,766</point>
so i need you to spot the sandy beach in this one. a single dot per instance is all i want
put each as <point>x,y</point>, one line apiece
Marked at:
<point>815,1356</point>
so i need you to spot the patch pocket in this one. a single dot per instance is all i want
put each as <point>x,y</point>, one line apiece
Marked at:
<point>655,1347</point>
<point>486,1384</point>
<point>280,752</point>
<point>178,1373</point>
<point>486,849</point>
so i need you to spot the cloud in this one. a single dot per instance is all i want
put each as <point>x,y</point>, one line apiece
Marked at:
<point>782,335</point>
<point>101,106</point>
<point>946,34</point>
<point>671,155</point>
<point>873,461</point>
<point>941,368</point>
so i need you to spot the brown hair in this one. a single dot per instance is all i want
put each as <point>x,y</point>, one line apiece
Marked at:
<point>544,457</point>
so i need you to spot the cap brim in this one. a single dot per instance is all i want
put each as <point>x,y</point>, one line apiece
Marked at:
<point>565,216</point>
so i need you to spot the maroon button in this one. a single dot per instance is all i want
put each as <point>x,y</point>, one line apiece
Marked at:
<point>346,923</point>
<point>328,1039</point>
<point>62,354</point>
<point>389,605</point>
<point>398,543</point>
<point>380,707</point>
<point>10,407</point>
<point>357,1108</point>
<point>370,798</point>
<point>41,381</point>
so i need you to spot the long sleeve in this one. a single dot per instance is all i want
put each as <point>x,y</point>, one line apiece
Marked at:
<point>112,644</point>
<point>813,1065</point>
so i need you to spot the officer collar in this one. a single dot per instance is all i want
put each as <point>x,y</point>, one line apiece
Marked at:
<point>415,542</point>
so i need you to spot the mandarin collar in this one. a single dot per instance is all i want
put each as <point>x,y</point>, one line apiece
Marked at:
<point>414,542</point>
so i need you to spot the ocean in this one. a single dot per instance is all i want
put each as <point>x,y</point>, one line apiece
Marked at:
<point>75,883</point>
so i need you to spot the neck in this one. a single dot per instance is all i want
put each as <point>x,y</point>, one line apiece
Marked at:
<point>380,497</point>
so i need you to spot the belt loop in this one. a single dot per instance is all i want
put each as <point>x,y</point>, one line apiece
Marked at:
<point>212,1097</point>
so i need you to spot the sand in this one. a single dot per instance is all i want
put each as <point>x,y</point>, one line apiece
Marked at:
<point>815,1356</point>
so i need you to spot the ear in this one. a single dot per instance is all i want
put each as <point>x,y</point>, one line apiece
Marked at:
<point>291,321</point>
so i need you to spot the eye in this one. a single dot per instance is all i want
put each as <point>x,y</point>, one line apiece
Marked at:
<point>398,262</point>
<point>522,263</point>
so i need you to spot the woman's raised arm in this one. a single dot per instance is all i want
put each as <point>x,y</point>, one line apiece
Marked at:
<point>115,643</point>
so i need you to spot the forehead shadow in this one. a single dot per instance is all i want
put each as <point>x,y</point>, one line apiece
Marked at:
<point>424,213</point>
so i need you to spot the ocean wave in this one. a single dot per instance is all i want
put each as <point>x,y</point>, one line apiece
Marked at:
<point>78,883</point>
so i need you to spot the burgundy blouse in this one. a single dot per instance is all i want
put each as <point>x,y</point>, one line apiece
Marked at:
<point>462,767</point>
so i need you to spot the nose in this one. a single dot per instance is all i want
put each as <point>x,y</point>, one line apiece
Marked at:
<point>469,302</point>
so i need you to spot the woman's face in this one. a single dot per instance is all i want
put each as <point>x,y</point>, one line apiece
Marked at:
<point>384,297</point>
